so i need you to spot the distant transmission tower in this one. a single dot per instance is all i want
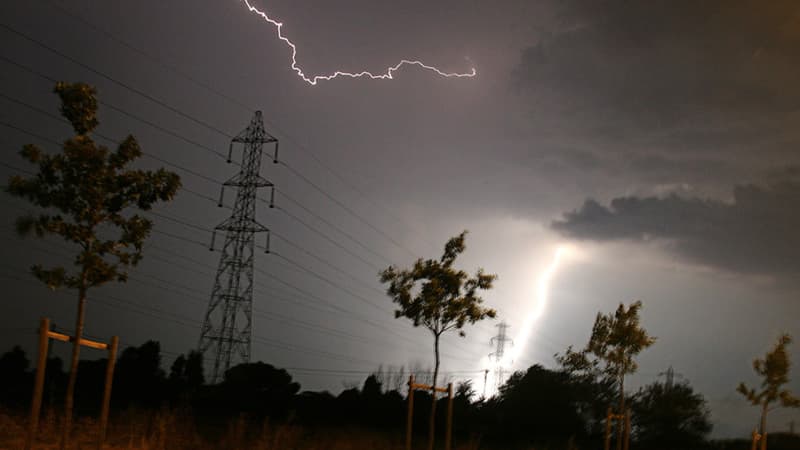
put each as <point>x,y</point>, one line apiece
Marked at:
<point>670,375</point>
<point>500,342</point>
<point>227,327</point>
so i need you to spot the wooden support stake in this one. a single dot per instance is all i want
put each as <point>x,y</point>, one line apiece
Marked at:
<point>410,419</point>
<point>764,440</point>
<point>756,436</point>
<point>607,440</point>
<point>112,361</point>
<point>448,439</point>
<point>38,386</point>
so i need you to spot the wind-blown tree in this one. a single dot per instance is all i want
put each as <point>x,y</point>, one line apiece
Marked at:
<point>88,194</point>
<point>611,351</point>
<point>670,416</point>
<point>439,297</point>
<point>774,369</point>
<point>556,415</point>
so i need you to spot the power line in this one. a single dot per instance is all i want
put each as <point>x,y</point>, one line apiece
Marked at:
<point>187,116</point>
<point>219,154</point>
<point>294,171</point>
<point>244,106</point>
<point>335,227</point>
<point>190,323</point>
<point>346,208</point>
<point>113,80</point>
<point>34,108</point>
<point>172,283</point>
<point>106,104</point>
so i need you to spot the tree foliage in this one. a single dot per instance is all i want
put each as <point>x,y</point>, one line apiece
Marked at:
<point>774,371</point>
<point>670,416</point>
<point>86,187</point>
<point>446,298</point>
<point>615,342</point>
<point>542,404</point>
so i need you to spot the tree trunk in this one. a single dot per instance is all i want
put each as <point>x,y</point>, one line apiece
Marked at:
<point>764,426</point>
<point>432,423</point>
<point>73,371</point>
<point>620,422</point>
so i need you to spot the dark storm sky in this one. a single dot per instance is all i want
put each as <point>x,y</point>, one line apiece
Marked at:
<point>657,140</point>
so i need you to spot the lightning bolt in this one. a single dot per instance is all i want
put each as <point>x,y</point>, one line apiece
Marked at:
<point>542,297</point>
<point>388,74</point>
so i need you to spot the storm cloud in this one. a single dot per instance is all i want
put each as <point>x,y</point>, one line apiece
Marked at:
<point>670,83</point>
<point>756,232</point>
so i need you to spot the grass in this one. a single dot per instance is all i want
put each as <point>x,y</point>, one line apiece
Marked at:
<point>175,430</point>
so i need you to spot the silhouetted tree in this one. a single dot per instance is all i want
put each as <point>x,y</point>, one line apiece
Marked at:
<point>87,188</point>
<point>670,416</point>
<point>464,391</point>
<point>13,377</point>
<point>258,388</point>
<point>774,369</point>
<point>186,373</point>
<point>615,342</point>
<point>446,299</point>
<point>540,404</point>
<point>138,378</point>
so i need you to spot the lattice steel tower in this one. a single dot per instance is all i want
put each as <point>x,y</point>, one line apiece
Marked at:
<point>228,323</point>
<point>500,341</point>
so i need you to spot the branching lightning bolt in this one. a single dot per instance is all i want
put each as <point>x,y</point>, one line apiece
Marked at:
<point>388,74</point>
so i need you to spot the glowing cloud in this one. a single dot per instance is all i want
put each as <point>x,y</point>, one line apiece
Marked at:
<point>313,80</point>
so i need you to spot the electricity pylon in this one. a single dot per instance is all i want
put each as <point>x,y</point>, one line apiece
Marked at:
<point>500,342</point>
<point>227,328</point>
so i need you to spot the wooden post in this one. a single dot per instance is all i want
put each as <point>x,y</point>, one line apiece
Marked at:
<point>38,385</point>
<point>627,443</point>
<point>764,440</point>
<point>607,440</point>
<point>410,419</point>
<point>755,440</point>
<point>448,438</point>
<point>112,361</point>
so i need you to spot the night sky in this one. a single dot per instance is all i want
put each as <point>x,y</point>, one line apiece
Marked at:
<point>655,141</point>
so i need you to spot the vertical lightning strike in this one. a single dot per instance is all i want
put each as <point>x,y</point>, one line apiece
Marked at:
<point>387,75</point>
<point>542,296</point>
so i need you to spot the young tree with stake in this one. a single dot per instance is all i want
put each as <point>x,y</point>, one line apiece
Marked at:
<point>615,342</point>
<point>774,369</point>
<point>439,297</point>
<point>88,193</point>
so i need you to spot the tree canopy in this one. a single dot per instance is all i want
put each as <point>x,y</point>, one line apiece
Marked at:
<point>86,187</point>
<point>774,371</point>
<point>437,296</point>
<point>670,416</point>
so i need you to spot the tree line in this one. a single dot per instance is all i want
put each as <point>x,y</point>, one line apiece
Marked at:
<point>535,406</point>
